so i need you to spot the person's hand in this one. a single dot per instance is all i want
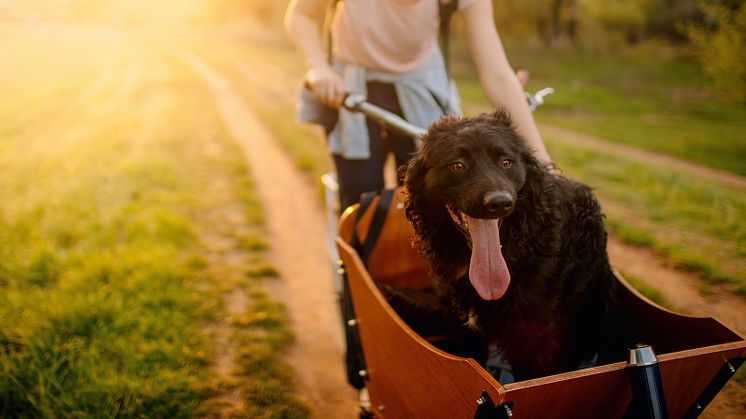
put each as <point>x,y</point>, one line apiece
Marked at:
<point>523,76</point>
<point>326,85</point>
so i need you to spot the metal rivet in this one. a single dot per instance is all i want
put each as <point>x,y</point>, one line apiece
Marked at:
<point>363,373</point>
<point>352,322</point>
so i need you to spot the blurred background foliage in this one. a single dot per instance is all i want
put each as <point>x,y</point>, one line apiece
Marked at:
<point>720,42</point>
<point>711,31</point>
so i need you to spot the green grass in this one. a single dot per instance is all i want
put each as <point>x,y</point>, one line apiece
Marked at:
<point>644,97</point>
<point>103,290</point>
<point>97,317</point>
<point>263,332</point>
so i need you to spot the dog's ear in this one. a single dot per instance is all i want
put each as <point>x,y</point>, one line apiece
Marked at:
<point>401,173</point>
<point>413,174</point>
<point>536,177</point>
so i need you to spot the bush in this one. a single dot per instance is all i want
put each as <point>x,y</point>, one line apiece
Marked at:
<point>721,45</point>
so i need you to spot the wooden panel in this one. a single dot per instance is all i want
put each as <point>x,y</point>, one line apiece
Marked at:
<point>643,321</point>
<point>409,377</point>
<point>605,391</point>
<point>600,392</point>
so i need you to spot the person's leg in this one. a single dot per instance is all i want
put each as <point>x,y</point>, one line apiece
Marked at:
<point>357,176</point>
<point>401,145</point>
<point>403,148</point>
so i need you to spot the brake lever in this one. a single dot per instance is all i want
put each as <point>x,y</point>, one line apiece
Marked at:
<point>537,99</point>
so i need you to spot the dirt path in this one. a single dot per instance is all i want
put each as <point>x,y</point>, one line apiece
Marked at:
<point>296,226</point>
<point>226,261</point>
<point>679,288</point>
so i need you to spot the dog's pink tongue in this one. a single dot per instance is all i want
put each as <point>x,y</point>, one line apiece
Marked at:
<point>488,271</point>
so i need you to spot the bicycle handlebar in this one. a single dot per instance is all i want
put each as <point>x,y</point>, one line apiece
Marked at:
<point>359,103</point>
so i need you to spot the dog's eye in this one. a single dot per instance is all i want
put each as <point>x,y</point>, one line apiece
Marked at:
<point>506,163</point>
<point>457,166</point>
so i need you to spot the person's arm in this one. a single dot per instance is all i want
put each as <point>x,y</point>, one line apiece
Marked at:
<point>301,24</point>
<point>497,78</point>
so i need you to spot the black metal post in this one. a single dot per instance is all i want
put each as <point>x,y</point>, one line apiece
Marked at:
<point>648,401</point>
<point>717,384</point>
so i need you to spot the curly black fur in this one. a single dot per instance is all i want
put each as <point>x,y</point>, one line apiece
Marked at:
<point>553,315</point>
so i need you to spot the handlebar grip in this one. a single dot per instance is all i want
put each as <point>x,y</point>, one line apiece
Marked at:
<point>309,87</point>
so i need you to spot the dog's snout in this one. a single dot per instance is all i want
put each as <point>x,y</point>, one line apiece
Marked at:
<point>498,203</point>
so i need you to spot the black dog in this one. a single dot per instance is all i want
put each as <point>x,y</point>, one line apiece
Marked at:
<point>518,252</point>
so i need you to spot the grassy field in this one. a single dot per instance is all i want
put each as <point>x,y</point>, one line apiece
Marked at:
<point>645,97</point>
<point>105,292</point>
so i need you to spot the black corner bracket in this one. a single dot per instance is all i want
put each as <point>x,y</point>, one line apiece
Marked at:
<point>486,408</point>
<point>712,389</point>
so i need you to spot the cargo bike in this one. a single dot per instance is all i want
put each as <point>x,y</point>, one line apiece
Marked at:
<point>663,364</point>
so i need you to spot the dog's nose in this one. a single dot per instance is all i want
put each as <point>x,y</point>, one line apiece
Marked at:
<point>498,203</point>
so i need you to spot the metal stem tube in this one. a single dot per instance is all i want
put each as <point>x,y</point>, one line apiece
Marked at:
<point>358,103</point>
<point>648,400</point>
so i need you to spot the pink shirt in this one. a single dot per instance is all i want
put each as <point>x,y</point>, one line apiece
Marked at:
<point>394,36</point>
